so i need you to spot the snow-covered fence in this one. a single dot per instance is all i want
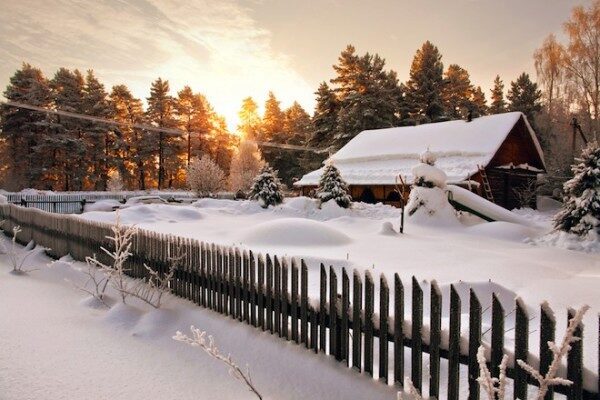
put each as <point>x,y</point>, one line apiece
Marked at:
<point>271,294</point>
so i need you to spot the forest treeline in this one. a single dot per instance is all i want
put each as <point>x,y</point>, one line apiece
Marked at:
<point>55,152</point>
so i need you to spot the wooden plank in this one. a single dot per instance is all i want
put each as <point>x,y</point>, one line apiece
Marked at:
<point>323,310</point>
<point>344,328</point>
<point>384,314</point>
<point>333,298</point>
<point>294,311</point>
<point>304,304</point>
<point>277,297</point>
<point>219,278</point>
<point>269,305</point>
<point>314,330</point>
<point>203,277</point>
<point>454,346</point>
<point>547,334</point>
<point>285,313</point>
<point>521,349</point>
<point>238,284</point>
<point>497,336</point>
<point>435,338</point>
<point>474,343</point>
<point>416,338</point>
<point>356,322</point>
<point>246,286</point>
<point>575,363</point>
<point>252,283</point>
<point>369,328</point>
<point>260,289</point>
<point>231,282</point>
<point>398,331</point>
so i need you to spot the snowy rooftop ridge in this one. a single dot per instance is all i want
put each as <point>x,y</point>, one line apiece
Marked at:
<point>378,156</point>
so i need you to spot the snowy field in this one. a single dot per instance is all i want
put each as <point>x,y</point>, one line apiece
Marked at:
<point>510,259</point>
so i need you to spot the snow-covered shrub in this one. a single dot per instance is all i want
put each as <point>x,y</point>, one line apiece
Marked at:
<point>266,188</point>
<point>151,290</point>
<point>17,260</point>
<point>115,182</point>
<point>207,344</point>
<point>581,211</point>
<point>204,176</point>
<point>495,387</point>
<point>97,281</point>
<point>428,201</point>
<point>333,187</point>
<point>245,165</point>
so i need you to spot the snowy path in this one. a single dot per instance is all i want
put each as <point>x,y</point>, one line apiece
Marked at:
<point>52,346</point>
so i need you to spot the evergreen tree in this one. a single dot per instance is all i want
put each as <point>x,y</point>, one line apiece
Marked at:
<point>272,130</point>
<point>424,87</point>
<point>193,116</point>
<point>525,96</point>
<point>367,93</point>
<point>23,131</point>
<point>221,142</point>
<point>297,130</point>
<point>333,187</point>
<point>325,116</point>
<point>100,138</point>
<point>134,147</point>
<point>67,142</point>
<point>457,92</point>
<point>168,145</point>
<point>266,188</point>
<point>478,103</point>
<point>250,122</point>
<point>581,211</point>
<point>498,104</point>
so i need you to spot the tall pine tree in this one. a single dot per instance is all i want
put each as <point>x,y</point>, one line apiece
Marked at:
<point>325,116</point>
<point>498,104</point>
<point>424,87</point>
<point>457,92</point>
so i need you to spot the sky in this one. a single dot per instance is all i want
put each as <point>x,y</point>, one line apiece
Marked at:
<point>231,49</point>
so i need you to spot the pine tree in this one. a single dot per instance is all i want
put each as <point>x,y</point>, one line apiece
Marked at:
<point>134,148</point>
<point>23,131</point>
<point>581,211</point>
<point>368,95</point>
<point>193,114</point>
<point>67,143</point>
<point>424,87</point>
<point>457,92</point>
<point>100,138</point>
<point>525,96</point>
<point>168,145</point>
<point>266,188</point>
<point>297,130</point>
<point>272,130</point>
<point>325,116</point>
<point>333,187</point>
<point>478,104</point>
<point>498,104</point>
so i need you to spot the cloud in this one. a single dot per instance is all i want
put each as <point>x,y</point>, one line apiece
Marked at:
<point>216,47</point>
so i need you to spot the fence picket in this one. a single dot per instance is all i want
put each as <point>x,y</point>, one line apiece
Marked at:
<point>435,338</point>
<point>369,306</point>
<point>269,307</point>
<point>356,322</point>
<point>246,286</point>
<point>333,328</point>
<point>294,299</point>
<point>497,335</point>
<point>521,349</point>
<point>304,305</point>
<point>474,343</point>
<point>252,289</point>
<point>277,297</point>
<point>454,346</point>
<point>398,331</point>
<point>575,363</point>
<point>323,311</point>
<point>416,335</point>
<point>384,312</point>
<point>261,291</point>
<point>238,284</point>
<point>284,300</point>
<point>344,331</point>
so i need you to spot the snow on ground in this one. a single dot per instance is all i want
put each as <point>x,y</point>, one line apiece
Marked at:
<point>491,256</point>
<point>56,344</point>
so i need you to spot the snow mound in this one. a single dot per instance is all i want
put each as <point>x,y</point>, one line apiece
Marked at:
<point>229,206</point>
<point>569,241</point>
<point>295,232</point>
<point>146,214</point>
<point>387,229</point>
<point>154,323</point>
<point>504,230</point>
<point>430,206</point>
<point>102,205</point>
<point>123,315</point>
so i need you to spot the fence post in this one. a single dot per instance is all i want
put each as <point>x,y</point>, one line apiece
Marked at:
<point>252,289</point>
<point>384,312</point>
<point>333,343</point>
<point>261,298</point>
<point>344,321</point>
<point>416,340</point>
<point>575,363</point>
<point>474,343</point>
<point>497,335</point>
<point>284,300</point>
<point>323,310</point>
<point>547,334</point>
<point>277,297</point>
<point>295,301</point>
<point>398,331</point>
<point>369,306</point>
<point>435,337</point>
<point>246,286</point>
<point>304,305</point>
<point>454,346</point>
<point>356,322</point>
<point>269,294</point>
<point>521,349</point>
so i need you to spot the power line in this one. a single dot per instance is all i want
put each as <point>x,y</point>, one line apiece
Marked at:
<point>146,127</point>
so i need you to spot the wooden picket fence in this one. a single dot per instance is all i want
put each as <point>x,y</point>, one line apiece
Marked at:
<point>271,294</point>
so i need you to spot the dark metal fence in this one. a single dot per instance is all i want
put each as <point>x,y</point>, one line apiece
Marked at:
<point>271,294</point>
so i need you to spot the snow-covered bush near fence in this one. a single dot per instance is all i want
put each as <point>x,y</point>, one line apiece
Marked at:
<point>204,176</point>
<point>428,202</point>
<point>333,187</point>
<point>266,188</point>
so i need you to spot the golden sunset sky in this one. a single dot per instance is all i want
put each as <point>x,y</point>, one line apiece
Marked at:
<point>232,49</point>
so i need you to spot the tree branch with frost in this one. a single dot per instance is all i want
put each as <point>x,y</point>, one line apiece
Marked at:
<point>200,340</point>
<point>495,388</point>
<point>16,259</point>
<point>97,277</point>
<point>558,353</point>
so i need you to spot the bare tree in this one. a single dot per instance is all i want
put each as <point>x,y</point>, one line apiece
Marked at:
<point>204,176</point>
<point>549,68</point>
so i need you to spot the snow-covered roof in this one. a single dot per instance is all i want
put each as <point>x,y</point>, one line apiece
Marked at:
<point>379,156</point>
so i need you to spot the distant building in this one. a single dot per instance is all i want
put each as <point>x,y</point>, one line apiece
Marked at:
<point>502,149</point>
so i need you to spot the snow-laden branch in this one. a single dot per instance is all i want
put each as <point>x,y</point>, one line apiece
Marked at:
<point>495,388</point>
<point>16,259</point>
<point>558,353</point>
<point>200,340</point>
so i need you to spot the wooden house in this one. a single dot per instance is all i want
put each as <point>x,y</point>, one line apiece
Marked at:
<point>501,150</point>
